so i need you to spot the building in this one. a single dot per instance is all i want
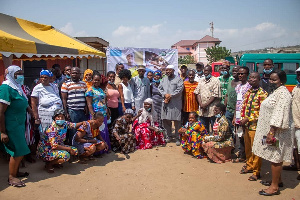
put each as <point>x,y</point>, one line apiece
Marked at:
<point>195,48</point>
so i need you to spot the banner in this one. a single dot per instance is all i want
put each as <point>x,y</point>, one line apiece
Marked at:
<point>152,59</point>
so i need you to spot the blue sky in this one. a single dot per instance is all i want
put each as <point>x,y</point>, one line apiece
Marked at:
<point>239,24</point>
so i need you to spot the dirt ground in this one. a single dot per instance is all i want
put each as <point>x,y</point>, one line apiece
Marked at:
<point>159,173</point>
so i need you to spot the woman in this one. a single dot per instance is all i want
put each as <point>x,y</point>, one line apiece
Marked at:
<point>126,95</point>
<point>113,96</point>
<point>146,129</point>
<point>51,147</point>
<point>192,136</point>
<point>96,102</point>
<point>13,105</point>
<point>274,126</point>
<point>156,96</point>
<point>218,147</point>
<point>87,77</point>
<point>44,101</point>
<point>121,138</point>
<point>88,139</point>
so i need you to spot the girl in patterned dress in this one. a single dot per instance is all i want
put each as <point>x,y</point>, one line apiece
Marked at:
<point>192,134</point>
<point>51,147</point>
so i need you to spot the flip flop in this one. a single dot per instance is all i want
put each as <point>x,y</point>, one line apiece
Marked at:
<point>245,171</point>
<point>262,192</point>
<point>268,183</point>
<point>16,184</point>
<point>254,178</point>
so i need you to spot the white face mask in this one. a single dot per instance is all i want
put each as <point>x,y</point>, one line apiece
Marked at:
<point>102,127</point>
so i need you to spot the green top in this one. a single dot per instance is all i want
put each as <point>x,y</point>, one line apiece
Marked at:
<point>231,101</point>
<point>223,86</point>
<point>15,117</point>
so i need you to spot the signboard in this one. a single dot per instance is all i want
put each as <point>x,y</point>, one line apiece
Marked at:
<point>152,59</point>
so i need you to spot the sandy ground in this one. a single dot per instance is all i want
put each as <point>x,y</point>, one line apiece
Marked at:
<point>159,173</point>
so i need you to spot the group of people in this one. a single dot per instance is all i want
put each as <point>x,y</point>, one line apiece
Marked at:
<point>212,116</point>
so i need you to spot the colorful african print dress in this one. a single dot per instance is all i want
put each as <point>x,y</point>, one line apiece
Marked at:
<point>193,138</point>
<point>146,138</point>
<point>218,147</point>
<point>127,143</point>
<point>91,134</point>
<point>55,135</point>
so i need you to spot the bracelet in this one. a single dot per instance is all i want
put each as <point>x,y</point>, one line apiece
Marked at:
<point>271,133</point>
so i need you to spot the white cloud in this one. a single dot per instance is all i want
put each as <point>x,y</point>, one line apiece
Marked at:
<point>69,29</point>
<point>259,36</point>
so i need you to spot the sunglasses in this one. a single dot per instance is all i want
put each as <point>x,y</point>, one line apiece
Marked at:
<point>241,73</point>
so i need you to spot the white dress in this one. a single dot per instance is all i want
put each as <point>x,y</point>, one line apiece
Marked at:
<point>275,111</point>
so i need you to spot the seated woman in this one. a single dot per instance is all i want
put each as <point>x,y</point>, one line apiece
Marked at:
<point>51,147</point>
<point>121,138</point>
<point>218,147</point>
<point>146,126</point>
<point>192,134</point>
<point>88,140</point>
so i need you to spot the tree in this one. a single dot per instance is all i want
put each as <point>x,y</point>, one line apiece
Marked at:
<point>186,60</point>
<point>216,53</point>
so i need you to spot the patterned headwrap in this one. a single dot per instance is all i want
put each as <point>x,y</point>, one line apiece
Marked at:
<point>88,71</point>
<point>157,73</point>
<point>46,72</point>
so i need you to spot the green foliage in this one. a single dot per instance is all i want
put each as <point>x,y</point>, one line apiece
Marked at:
<point>216,53</point>
<point>186,60</point>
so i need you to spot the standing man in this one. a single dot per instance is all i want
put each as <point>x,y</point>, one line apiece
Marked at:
<point>208,95</point>
<point>119,67</point>
<point>67,72</point>
<point>240,90</point>
<point>73,98</point>
<point>199,69</point>
<point>184,74</point>
<point>170,88</point>
<point>190,103</point>
<point>249,115</point>
<point>224,79</point>
<point>268,68</point>
<point>230,99</point>
<point>57,73</point>
<point>140,86</point>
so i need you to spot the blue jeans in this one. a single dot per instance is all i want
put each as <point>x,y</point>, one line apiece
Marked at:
<point>208,122</point>
<point>75,116</point>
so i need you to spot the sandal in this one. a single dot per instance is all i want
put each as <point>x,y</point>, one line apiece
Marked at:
<point>49,169</point>
<point>13,182</point>
<point>254,178</point>
<point>245,171</point>
<point>22,174</point>
<point>262,192</point>
<point>268,183</point>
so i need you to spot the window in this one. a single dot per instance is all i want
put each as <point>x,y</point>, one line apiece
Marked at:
<point>290,68</point>
<point>216,68</point>
<point>250,66</point>
<point>260,67</point>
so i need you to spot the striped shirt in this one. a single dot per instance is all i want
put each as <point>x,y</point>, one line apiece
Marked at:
<point>76,94</point>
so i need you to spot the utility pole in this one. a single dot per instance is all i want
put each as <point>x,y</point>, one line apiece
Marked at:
<point>212,28</point>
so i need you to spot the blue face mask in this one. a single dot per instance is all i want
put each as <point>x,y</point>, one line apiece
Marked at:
<point>68,76</point>
<point>149,109</point>
<point>208,76</point>
<point>156,81</point>
<point>224,73</point>
<point>218,115</point>
<point>109,82</point>
<point>109,121</point>
<point>298,83</point>
<point>200,73</point>
<point>268,71</point>
<point>20,79</point>
<point>60,122</point>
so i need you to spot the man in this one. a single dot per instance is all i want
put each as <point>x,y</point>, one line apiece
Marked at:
<point>240,90</point>
<point>224,79</point>
<point>190,103</point>
<point>140,86</point>
<point>57,73</point>
<point>67,72</point>
<point>170,88</point>
<point>249,115</point>
<point>150,76</point>
<point>199,69</point>
<point>230,99</point>
<point>296,118</point>
<point>184,75</point>
<point>119,67</point>
<point>208,95</point>
<point>130,61</point>
<point>73,98</point>
<point>268,68</point>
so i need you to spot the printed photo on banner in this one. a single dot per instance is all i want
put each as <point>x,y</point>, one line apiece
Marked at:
<point>131,58</point>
